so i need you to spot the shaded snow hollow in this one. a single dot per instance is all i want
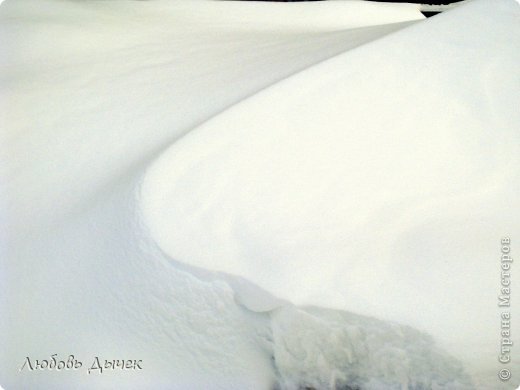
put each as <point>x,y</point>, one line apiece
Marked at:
<point>254,195</point>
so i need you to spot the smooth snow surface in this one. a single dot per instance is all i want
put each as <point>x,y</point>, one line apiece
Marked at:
<point>253,195</point>
<point>379,181</point>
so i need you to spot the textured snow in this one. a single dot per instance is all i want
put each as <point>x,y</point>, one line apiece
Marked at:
<point>130,229</point>
<point>326,349</point>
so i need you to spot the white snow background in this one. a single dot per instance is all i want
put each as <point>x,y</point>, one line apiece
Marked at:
<point>255,195</point>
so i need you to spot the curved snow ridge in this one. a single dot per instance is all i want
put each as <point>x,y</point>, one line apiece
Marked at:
<point>148,85</point>
<point>354,39</point>
<point>337,178</point>
<point>248,294</point>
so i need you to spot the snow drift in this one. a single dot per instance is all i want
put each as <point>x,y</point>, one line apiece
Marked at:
<point>176,176</point>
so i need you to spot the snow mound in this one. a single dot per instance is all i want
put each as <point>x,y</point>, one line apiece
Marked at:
<point>378,181</point>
